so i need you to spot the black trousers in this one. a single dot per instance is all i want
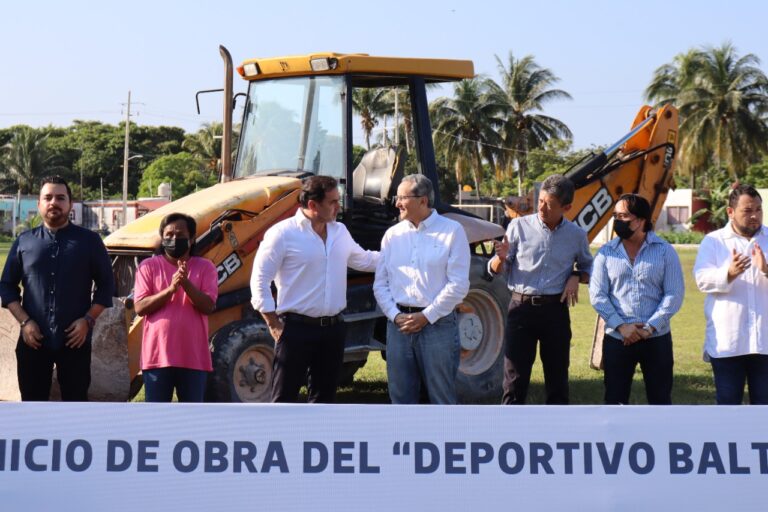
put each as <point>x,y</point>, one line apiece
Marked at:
<point>35,372</point>
<point>547,324</point>
<point>656,361</point>
<point>308,353</point>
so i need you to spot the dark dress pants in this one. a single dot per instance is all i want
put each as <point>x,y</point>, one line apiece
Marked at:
<point>549,325</point>
<point>656,361</point>
<point>731,373</point>
<point>308,353</point>
<point>35,372</point>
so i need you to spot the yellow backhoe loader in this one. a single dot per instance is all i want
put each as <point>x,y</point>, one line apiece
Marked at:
<point>299,121</point>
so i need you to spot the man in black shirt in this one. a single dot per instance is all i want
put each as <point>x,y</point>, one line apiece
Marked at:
<point>57,265</point>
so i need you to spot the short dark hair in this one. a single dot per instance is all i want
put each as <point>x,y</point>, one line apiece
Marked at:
<point>742,190</point>
<point>56,180</point>
<point>639,207</point>
<point>560,187</point>
<point>191,227</point>
<point>314,188</point>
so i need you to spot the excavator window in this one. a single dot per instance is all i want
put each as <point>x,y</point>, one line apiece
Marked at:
<point>293,126</point>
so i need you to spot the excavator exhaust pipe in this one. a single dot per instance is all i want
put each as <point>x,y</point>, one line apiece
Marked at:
<point>226,139</point>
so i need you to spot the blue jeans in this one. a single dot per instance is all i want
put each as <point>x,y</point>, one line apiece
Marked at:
<point>732,372</point>
<point>431,355</point>
<point>159,384</point>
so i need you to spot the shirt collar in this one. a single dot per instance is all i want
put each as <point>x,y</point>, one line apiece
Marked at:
<point>650,238</point>
<point>428,222</point>
<point>301,219</point>
<point>44,229</point>
<point>728,232</point>
<point>560,224</point>
<point>304,222</point>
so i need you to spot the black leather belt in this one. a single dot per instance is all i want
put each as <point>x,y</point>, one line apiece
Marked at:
<point>410,309</point>
<point>535,300</point>
<point>321,321</point>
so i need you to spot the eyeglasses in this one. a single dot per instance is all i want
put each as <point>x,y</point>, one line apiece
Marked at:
<point>402,198</point>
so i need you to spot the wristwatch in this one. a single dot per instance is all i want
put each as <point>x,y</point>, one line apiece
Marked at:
<point>648,327</point>
<point>91,321</point>
<point>25,322</point>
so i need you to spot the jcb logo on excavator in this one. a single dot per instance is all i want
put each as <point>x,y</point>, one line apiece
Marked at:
<point>228,267</point>
<point>596,207</point>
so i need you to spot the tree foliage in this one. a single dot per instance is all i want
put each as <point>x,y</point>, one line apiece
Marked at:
<point>26,158</point>
<point>525,90</point>
<point>723,100</point>
<point>182,171</point>
<point>370,104</point>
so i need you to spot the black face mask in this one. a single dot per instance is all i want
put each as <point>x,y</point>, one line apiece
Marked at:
<point>621,227</point>
<point>175,247</point>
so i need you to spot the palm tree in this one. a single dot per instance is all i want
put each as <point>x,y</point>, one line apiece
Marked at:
<point>670,79</point>
<point>205,145</point>
<point>463,127</point>
<point>27,158</point>
<point>525,90</point>
<point>369,103</point>
<point>723,101</point>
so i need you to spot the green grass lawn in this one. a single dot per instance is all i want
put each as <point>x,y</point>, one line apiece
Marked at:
<point>693,377</point>
<point>4,248</point>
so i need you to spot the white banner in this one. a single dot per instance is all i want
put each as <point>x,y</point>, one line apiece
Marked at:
<point>99,456</point>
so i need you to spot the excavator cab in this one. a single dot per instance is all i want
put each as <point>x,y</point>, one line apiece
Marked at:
<point>303,116</point>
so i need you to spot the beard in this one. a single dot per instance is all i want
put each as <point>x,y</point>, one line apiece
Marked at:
<point>744,229</point>
<point>56,217</point>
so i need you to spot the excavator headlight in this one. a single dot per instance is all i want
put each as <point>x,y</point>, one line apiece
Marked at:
<point>251,69</point>
<point>323,64</point>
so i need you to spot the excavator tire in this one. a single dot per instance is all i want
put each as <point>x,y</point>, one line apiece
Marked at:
<point>481,321</point>
<point>243,353</point>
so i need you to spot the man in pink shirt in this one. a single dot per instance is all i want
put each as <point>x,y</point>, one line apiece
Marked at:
<point>175,292</point>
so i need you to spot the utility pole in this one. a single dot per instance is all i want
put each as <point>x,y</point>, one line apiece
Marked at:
<point>125,160</point>
<point>103,222</point>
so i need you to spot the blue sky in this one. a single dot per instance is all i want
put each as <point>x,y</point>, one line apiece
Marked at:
<point>77,60</point>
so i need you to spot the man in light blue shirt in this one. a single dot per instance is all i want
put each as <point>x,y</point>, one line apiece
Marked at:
<point>538,255</point>
<point>636,286</point>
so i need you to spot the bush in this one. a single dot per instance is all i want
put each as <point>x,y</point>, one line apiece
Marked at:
<point>681,237</point>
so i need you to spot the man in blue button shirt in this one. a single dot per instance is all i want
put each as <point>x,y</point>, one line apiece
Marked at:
<point>636,287</point>
<point>57,264</point>
<point>545,256</point>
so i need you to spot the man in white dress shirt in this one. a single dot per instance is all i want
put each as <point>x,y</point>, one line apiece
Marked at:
<point>423,274</point>
<point>307,257</point>
<point>731,269</point>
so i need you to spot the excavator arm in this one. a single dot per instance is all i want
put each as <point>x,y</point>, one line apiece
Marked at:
<point>641,162</point>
